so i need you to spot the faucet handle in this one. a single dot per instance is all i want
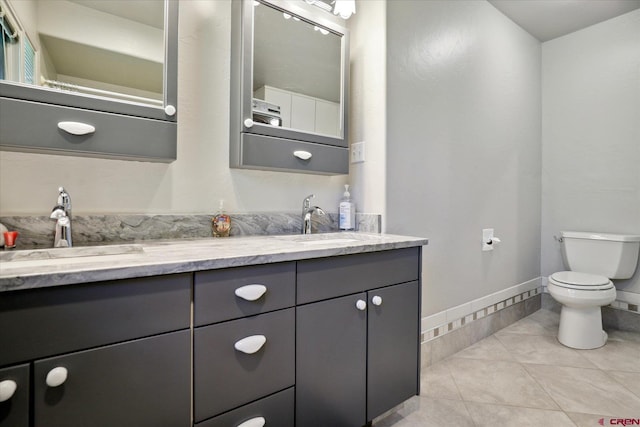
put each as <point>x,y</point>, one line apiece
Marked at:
<point>64,199</point>
<point>306,203</point>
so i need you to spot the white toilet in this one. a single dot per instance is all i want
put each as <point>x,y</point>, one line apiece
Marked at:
<point>593,259</point>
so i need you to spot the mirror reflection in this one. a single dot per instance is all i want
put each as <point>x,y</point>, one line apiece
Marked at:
<point>296,73</point>
<point>111,49</point>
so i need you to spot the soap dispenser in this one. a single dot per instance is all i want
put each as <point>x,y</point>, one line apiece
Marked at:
<point>221,222</point>
<point>347,218</point>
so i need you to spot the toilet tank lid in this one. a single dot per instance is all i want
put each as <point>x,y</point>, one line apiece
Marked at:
<point>600,236</point>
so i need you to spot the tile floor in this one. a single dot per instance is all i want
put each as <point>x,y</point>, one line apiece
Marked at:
<point>522,376</point>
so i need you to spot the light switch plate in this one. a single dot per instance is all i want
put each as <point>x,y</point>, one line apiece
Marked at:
<point>357,152</point>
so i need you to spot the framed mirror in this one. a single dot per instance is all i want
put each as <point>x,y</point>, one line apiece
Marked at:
<point>118,55</point>
<point>289,84</point>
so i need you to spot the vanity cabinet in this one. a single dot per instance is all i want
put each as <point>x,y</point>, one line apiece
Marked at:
<point>328,341</point>
<point>101,354</point>
<point>356,354</point>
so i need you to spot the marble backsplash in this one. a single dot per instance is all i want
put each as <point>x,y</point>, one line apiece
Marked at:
<point>38,231</point>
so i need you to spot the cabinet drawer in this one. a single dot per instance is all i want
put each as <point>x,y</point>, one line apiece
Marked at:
<point>117,136</point>
<point>216,300</point>
<point>325,278</point>
<point>264,152</point>
<point>14,412</point>
<point>142,383</point>
<point>277,410</point>
<point>226,378</point>
<point>46,322</point>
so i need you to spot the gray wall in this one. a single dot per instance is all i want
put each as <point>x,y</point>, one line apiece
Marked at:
<point>591,136</point>
<point>463,145</point>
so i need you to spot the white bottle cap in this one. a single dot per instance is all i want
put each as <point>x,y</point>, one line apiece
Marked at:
<point>346,191</point>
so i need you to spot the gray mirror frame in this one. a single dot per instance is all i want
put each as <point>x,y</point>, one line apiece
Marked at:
<point>242,79</point>
<point>170,83</point>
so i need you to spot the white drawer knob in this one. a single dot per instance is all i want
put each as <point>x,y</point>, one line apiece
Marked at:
<point>7,388</point>
<point>170,110</point>
<point>76,128</point>
<point>251,292</point>
<point>303,155</point>
<point>361,305</point>
<point>250,345</point>
<point>248,123</point>
<point>376,300</point>
<point>253,422</point>
<point>57,376</point>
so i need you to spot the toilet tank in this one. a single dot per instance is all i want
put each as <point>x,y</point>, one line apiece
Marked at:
<point>611,255</point>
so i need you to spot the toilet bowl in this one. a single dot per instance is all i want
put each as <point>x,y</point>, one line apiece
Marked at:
<point>593,259</point>
<point>581,296</point>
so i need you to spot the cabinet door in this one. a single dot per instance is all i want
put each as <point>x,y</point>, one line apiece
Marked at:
<point>14,411</point>
<point>303,113</point>
<point>330,363</point>
<point>282,99</point>
<point>142,383</point>
<point>393,340</point>
<point>327,118</point>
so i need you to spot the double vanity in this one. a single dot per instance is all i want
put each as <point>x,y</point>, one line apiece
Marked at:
<point>308,330</point>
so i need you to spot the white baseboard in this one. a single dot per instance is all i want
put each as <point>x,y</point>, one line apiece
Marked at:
<point>454,317</point>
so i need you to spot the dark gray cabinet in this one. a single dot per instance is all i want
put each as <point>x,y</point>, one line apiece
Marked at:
<point>331,354</point>
<point>392,346</point>
<point>244,345</point>
<point>103,354</point>
<point>357,356</point>
<point>317,342</point>
<point>14,408</point>
<point>142,383</point>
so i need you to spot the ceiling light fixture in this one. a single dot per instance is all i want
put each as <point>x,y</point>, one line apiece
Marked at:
<point>344,8</point>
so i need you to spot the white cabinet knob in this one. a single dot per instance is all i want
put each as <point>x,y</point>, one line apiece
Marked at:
<point>57,376</point>
<point>251,292</point>
<point>250,345</point>
<point>7,388</point>
<point>361,305</point>
<point>76,128</point>
<point>253,422</point>
<point>248,123</point>
<point>302,155</point>
<point>376,300</point>
<point>170,110</point>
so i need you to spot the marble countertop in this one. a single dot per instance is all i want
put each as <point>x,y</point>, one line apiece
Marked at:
<point>55,267</point>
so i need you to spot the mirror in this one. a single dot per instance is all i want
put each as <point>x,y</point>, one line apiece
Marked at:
<point>289,88</point>
<point>105,49</point>
<point>296,72</point>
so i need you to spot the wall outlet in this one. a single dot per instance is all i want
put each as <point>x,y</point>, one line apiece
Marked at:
<point>357,152</point>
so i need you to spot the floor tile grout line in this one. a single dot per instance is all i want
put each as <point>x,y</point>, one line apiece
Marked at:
<point>464,403</point>
<point>608,374</point>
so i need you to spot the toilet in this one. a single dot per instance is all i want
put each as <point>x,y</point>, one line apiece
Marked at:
<point>593,259</point>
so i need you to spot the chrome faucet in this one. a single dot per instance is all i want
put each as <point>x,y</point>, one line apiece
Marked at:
<point>307,212</point>
<point>62,214</point>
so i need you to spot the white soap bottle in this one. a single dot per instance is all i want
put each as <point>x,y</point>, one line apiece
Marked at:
<point>347,211</point>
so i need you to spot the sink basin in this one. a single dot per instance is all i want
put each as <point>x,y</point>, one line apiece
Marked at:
<point>320,239</point>
<point>62,253</point>
<point>326,242</point>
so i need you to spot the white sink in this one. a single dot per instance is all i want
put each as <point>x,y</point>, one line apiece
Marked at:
<point>326,242</point>
<point>76,252</point>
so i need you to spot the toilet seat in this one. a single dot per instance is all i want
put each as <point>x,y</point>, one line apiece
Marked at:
<point>581,281</point>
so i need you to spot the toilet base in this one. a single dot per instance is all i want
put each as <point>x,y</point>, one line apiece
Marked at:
<point>581,328</point>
